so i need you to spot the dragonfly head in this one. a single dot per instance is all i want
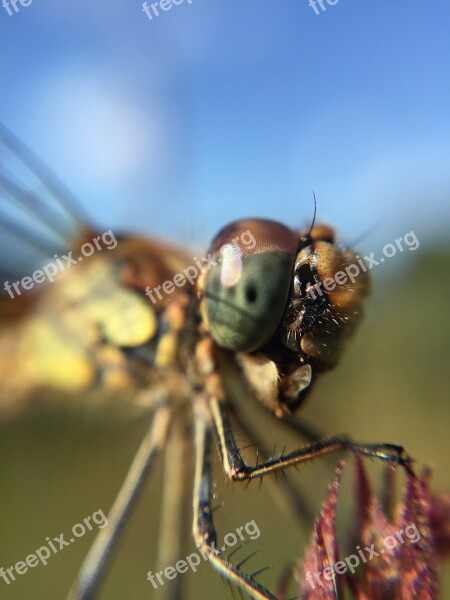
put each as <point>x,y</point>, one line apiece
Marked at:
<point>291,296</point>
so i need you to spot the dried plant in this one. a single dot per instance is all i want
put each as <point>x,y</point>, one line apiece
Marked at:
<point>393,551</point>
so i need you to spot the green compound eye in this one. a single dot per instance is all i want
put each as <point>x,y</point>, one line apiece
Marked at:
<point>246,291</point>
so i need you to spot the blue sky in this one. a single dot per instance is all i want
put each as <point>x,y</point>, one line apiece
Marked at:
<point>220,109</point>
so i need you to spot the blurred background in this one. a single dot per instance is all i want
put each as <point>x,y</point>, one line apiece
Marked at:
<point>209,112</point>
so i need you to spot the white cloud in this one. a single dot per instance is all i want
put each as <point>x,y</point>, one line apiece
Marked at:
<point>102,133</point>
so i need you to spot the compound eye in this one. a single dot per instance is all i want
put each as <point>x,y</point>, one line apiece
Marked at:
<point>246,289</point>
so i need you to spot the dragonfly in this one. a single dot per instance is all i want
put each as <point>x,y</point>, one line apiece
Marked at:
<point>253,322</point>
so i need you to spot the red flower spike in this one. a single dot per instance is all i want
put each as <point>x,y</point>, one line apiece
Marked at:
<point>319,578</point>
<point>440,523</point>
<point>381,552</point>
<point>419,558</point>
<point>364,493</point>
<point>389,558</point>
<point>439,518</point>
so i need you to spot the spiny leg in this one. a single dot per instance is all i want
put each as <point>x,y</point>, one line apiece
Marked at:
<point>170,540</point>
<point>99,556</point>
<point>236,468</point>
<point>203,527</point>
<point>288,496</point>
<point>287,421</point>
<point>283,490</point>
<point>244,405</point>
<point>211,363</point>
<point>237,390</point>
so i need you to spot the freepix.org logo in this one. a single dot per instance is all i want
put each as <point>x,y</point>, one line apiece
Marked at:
<point>12,7</point>
<point>190,274</point>
<point>152,10</point>
<point>409,535</point>
<point>353,270</point>
<point>53,546</point>
<point>192,561</point>
<point>313,4</point>
<point>61,263</point>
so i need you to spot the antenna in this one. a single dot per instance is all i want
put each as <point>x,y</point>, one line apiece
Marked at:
<point>314,216</point>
